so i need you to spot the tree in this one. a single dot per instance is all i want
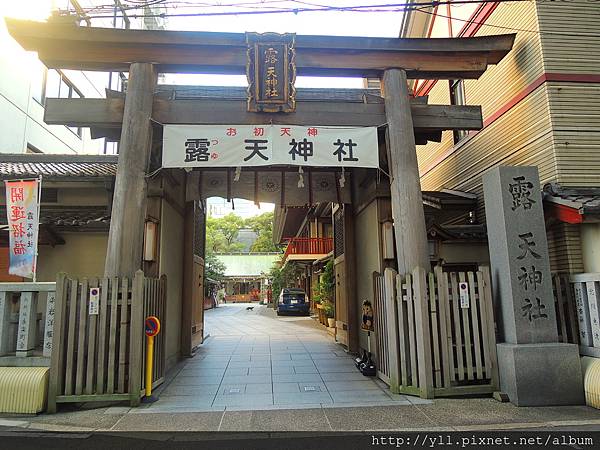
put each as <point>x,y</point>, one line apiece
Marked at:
<point>221,233</point>
<point>262,225</point>
<point>213,267</point>
<point>283,276</point>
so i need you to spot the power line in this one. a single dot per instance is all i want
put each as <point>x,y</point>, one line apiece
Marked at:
<point>384,7</point>
<point>263,9</point>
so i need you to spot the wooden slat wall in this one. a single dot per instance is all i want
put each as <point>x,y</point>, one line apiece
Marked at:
<point>575,114</point>
<point>570,38</point>
<point>380,327</point>
<point>566,314</point>
<point>155,305</point>
<point>521,136</point>
<point>556,127</point>
<point>571,45</point>
<point>500,83</point>
<point>99,357</point>
<point>443,348</point>
<point>564,248</point>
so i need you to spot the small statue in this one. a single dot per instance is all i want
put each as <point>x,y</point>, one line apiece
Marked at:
<point>367,316</point>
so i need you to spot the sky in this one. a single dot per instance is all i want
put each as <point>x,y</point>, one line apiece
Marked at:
<point>335,23</point>
<point>374,24</point>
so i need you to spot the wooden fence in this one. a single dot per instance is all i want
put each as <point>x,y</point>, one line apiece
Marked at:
<point>98,347</point>
<point>439,342</point>
<point>155,294</point>
<point>380,327</point>
<point>565,304</point>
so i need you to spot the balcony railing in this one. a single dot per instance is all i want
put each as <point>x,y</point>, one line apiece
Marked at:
<point>308,246</point>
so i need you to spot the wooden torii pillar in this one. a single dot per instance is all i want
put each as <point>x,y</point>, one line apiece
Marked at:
<point>405,185</point>
<point>126,235</point>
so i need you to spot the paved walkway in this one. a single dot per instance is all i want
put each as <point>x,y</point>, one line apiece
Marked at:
<point>256,360</point>
<point>277,358</point>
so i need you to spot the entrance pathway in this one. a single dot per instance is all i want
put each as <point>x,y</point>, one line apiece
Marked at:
<point>256,360</point>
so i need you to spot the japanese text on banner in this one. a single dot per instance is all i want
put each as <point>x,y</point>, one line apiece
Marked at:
<point>23,222</point>
<point>262,145</point>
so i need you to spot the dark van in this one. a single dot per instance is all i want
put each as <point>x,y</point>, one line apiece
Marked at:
<point>293,300</point>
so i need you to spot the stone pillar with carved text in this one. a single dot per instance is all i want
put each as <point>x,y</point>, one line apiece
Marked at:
<point>535,369</point>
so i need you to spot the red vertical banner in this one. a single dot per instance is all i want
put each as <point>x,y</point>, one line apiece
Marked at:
<point>22,211</point>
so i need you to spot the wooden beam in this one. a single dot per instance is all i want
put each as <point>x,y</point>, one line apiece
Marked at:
<point>405,187</point>
<point>124,252</point>
<point>107,49</point>
<point>188,281</point>
<point>107,113</point>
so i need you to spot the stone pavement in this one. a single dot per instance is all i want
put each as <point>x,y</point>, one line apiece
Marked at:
<point>256,360</point>
<point>475,414</point>
<point>188,407</point>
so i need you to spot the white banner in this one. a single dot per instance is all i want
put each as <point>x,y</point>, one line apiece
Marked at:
<point>265,145</point>
<point>22,211</point>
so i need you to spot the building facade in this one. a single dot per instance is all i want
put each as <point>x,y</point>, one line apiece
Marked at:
<point>25,83</point>
<point>541,107</point>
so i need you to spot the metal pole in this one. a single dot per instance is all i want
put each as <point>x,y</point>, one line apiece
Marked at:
<point>149,361</point>
<point>39,205</point>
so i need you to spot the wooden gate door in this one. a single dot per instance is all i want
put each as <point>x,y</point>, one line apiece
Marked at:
<point>341,300</point>
<point>198,301</point>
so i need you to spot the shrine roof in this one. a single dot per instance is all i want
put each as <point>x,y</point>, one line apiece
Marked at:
<point>585,200</point>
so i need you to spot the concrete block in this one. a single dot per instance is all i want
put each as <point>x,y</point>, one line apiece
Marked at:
<point>546,374</point>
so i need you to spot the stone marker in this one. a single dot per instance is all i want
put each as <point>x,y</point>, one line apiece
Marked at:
<point>49,326</point>
<point>27,324</point>
<point>534,368</point>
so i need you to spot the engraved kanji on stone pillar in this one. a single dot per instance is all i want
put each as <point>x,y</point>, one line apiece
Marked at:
<point>519,255</point>
<point>49,325</point>
<point>27,324</point>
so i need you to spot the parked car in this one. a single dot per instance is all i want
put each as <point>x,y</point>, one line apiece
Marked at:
<point>293,300</point>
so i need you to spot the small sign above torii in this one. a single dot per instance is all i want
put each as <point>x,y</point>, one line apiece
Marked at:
<point>271,72</point>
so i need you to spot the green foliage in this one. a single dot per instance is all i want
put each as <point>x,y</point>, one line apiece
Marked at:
<point>213,267</point>
<point>222,233</point>
<point>329,309</point>
<point>262,225</point>
<point>324,290</point>
<point>283,277</point>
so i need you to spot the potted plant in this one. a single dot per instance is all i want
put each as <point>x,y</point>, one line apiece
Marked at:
<point>324,292</point>
<point>329,309</point>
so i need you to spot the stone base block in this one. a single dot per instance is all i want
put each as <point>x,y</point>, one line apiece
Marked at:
<point>541,374</point>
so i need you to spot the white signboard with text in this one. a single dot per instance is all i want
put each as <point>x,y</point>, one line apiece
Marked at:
<point>265,145</point>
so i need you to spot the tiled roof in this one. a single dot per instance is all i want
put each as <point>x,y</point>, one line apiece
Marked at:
<point>57,166</point>
<point>584,199</point>
<point>69,217</point>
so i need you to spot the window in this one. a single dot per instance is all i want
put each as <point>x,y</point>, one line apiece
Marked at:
<point>457,97</point>
<point>59,86</point>
<point>38,85</point>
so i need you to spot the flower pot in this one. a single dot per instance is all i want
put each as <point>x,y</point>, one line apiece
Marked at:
<point>330,322</point>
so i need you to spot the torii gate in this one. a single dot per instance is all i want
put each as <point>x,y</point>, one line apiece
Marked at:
<point>145,53</point>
